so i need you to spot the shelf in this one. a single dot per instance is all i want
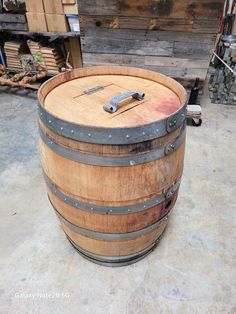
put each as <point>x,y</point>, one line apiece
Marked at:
<point>46,34</point>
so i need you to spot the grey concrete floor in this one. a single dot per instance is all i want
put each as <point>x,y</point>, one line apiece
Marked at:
<point>193,270</point>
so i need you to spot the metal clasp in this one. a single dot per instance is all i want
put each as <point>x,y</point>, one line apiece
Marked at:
<point>173,122</point>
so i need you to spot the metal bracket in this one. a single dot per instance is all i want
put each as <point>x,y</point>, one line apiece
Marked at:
<point>169,148</point>
<point>173,122</point>
<point>172,190</point>
<point>93,90</point>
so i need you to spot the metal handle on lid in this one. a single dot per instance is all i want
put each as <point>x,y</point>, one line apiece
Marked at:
<point>113,105</point>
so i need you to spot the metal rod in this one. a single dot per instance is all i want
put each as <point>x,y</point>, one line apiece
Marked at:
<point>231,70</point>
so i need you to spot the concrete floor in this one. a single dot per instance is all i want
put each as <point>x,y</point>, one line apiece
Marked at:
<point>193,270</point>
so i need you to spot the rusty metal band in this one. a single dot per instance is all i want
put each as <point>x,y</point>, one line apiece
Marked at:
<point>115,261</point>
<point>116,136</point>
<point>110,210</point>
<point>110,236</point>
<point>112,161</point>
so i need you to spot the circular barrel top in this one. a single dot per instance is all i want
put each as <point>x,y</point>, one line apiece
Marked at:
<point>78,97</point>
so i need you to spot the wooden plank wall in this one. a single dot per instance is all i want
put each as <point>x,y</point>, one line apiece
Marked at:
<point>173,37</point>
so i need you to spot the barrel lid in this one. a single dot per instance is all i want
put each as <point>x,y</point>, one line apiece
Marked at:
<point>78,97</point>
<point>80,100</point>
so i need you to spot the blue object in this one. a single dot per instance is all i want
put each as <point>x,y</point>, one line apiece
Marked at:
<point>2,59</point>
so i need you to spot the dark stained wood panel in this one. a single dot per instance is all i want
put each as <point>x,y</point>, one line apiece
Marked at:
<point>98,7</point>
<point>144,33</point>
<point>192,50</point>
<point>170,8</point>
<point>171,24</point>
<point>163,24</point>
<point>144,23</point>
<point>114,45</point>
<point>149,44</point>
<point>134,60</point>
<point>209,26</point>
<point>185,68</point>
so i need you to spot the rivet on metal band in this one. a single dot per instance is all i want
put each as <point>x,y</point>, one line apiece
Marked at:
<point>108,161</point>
<point>111,236</point>
<point>116,136</point>
<point>110,210</point>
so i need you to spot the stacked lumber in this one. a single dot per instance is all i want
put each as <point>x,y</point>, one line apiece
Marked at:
<point>172,37</point>
<point>53,59</point>
<point>35,50</point>
<point>12,50</point>
<point>48,56</point>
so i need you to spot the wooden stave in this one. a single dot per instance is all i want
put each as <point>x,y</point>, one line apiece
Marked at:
<point>116,261</point>
<point>112,223</point>
<point>58,174</point>
<point>118,230</point>
<point>121,248</point>
<point>111,150</point>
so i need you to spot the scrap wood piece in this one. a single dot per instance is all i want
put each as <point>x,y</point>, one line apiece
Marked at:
<point>13,51</point>
<point>8,82</point>
<point>18,77</point>
<point>33,78</point>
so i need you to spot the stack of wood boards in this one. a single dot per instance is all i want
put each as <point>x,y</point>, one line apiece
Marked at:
<point>35,50</point>
<point>48,56</point>
<point>175,38</point>
<point>12,51</point>
<point>53,58</point>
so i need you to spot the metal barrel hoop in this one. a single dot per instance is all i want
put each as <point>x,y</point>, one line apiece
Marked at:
<point>110,210</point>
<point>114,136</point>
<point>114,161</point>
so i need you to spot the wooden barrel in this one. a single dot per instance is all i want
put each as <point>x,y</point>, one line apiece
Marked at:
<point>112,150</point>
